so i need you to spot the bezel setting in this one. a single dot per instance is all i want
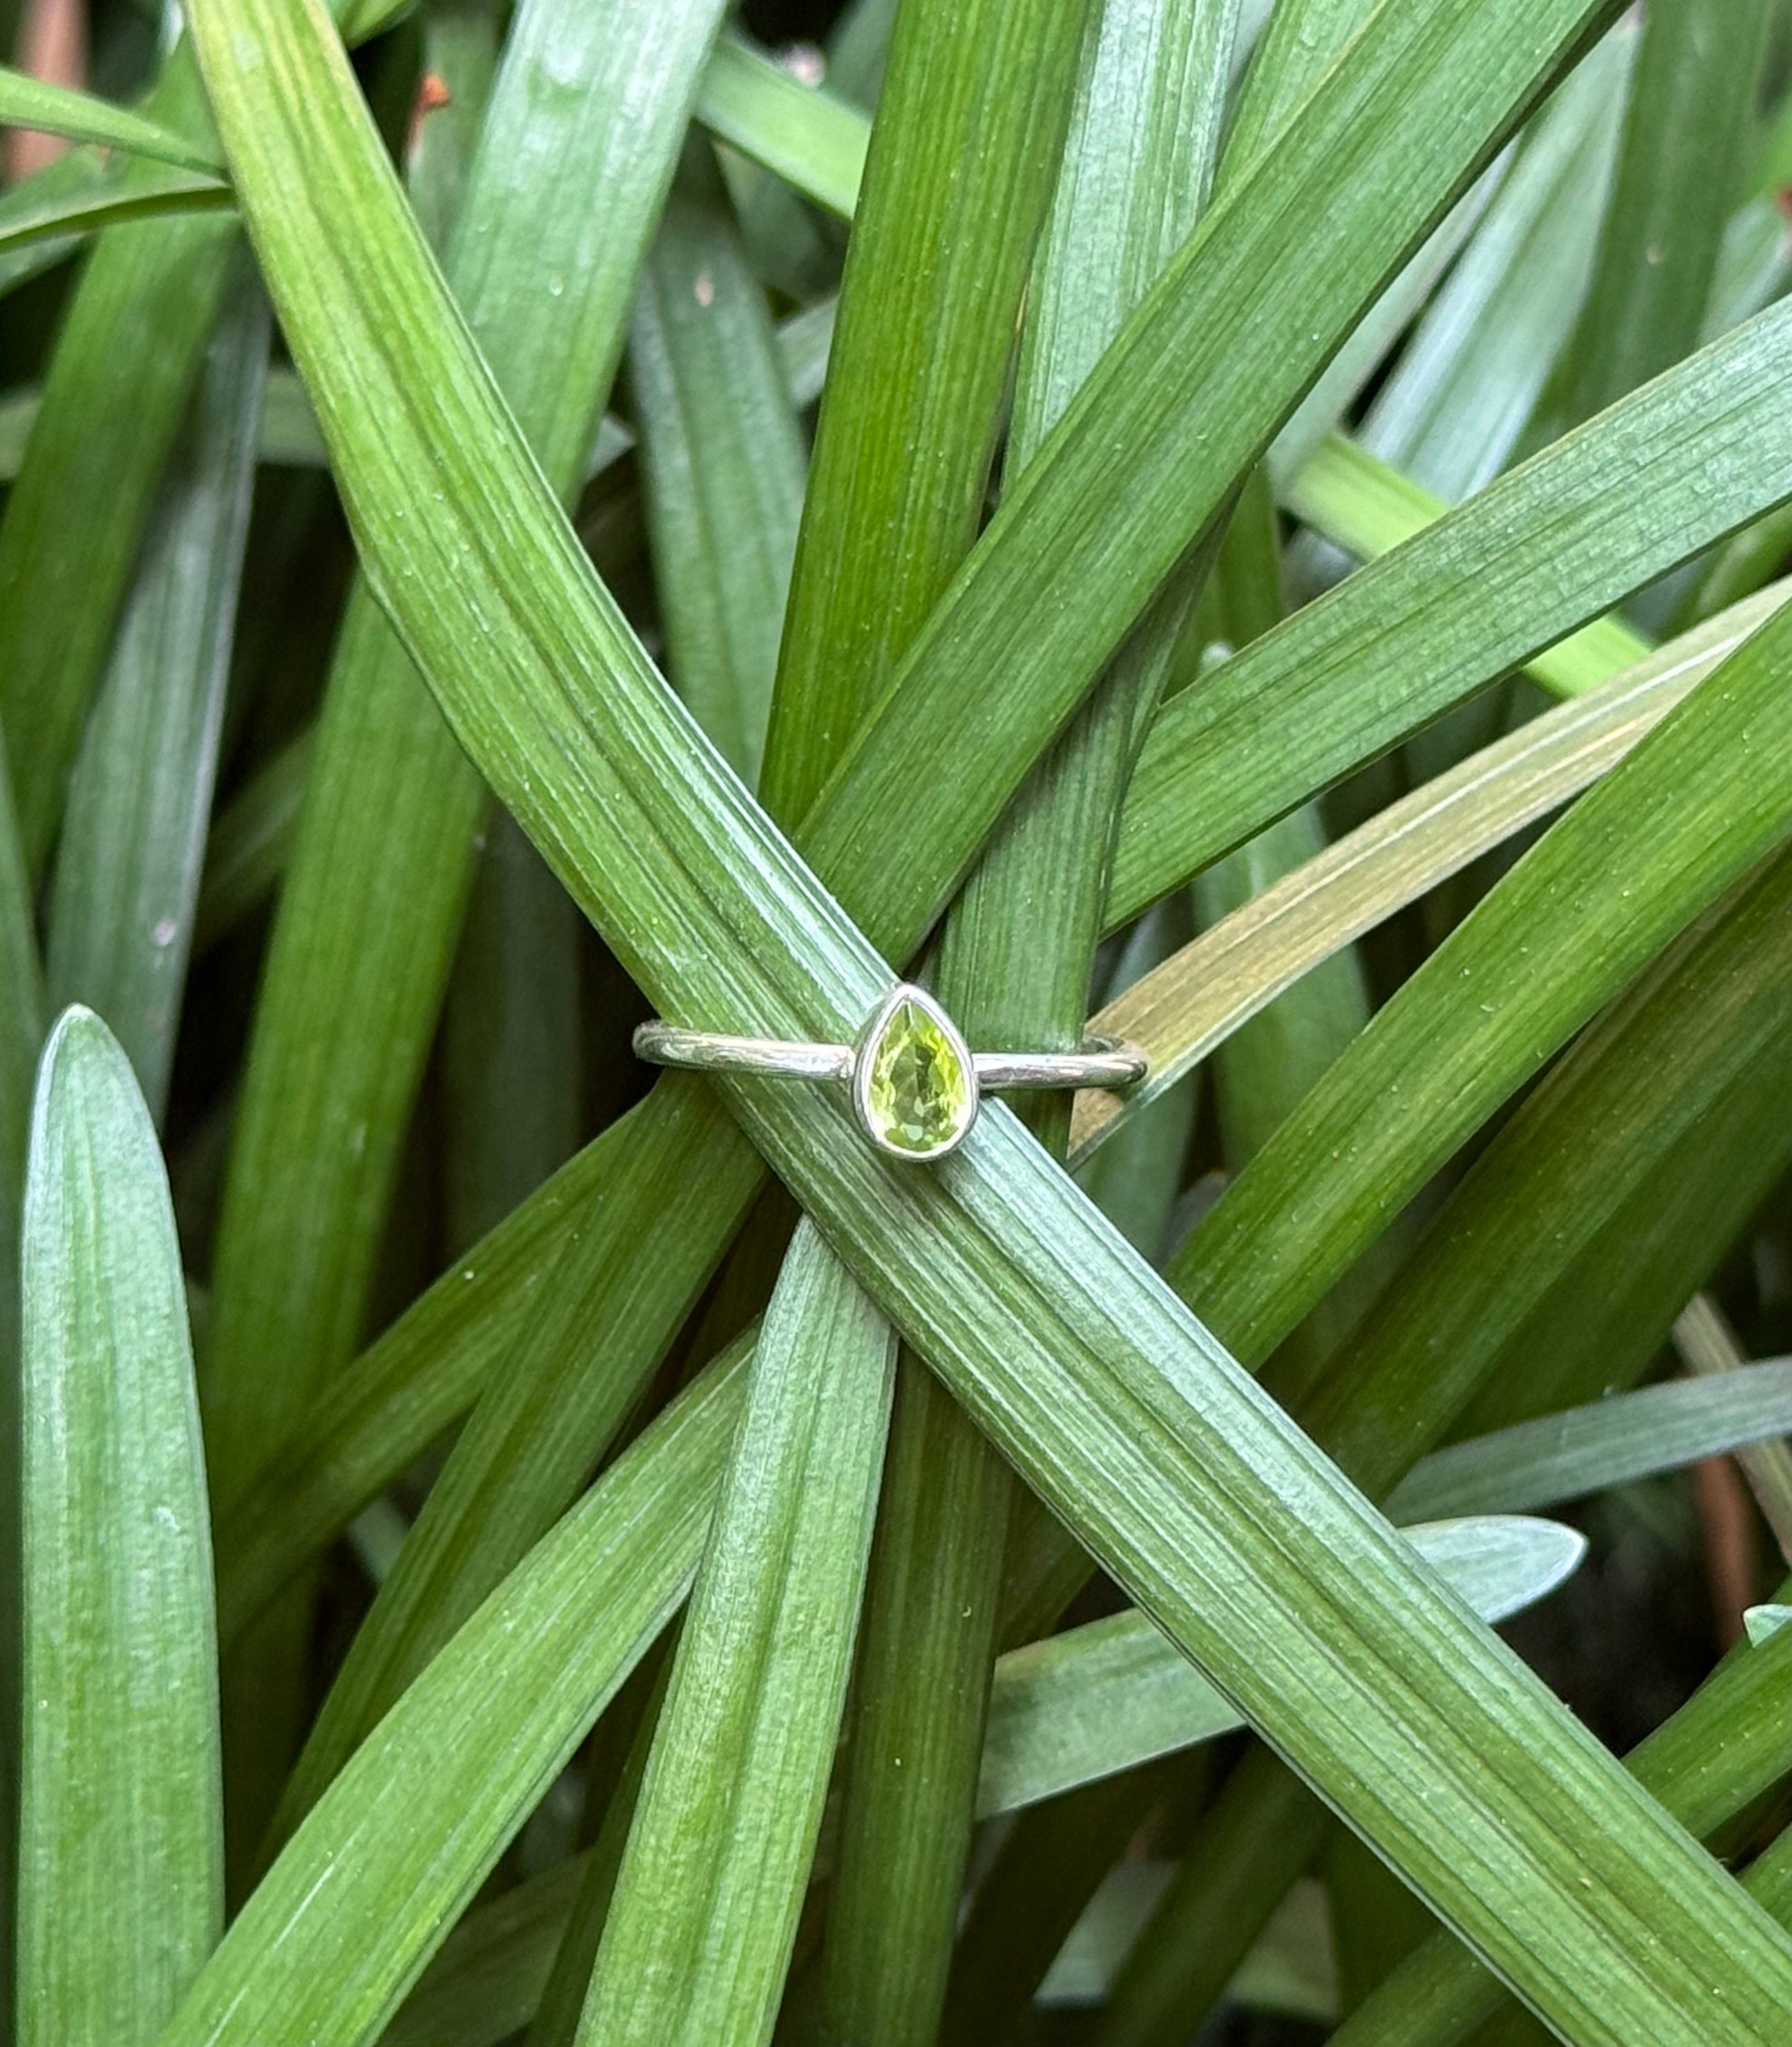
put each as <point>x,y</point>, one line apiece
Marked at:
<point>864,1055</point>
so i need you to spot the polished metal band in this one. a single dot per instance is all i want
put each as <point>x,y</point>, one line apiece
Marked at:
<point>914,1083</point>
<point>1102,1062</point>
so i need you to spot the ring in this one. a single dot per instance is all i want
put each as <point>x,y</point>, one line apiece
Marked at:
<point>915,1085</point>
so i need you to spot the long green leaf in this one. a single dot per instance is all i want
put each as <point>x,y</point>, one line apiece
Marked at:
<point>1466,384</point>
<point>487,1980</point>
<point>1679,173</point>
<point>1138,161</point>
<point>1697,802</point>
<point>128,867</point>
<point>704,1915</point>
<point>484,1982</point>
<point>59,109</point>
<point>121,1838</point>
<point>32,237</point>
<point>1113,1693</point>
<point>1367,508</point>
<point>127,357</point>
<point>1714,1758</point>
<point>1191,1001</point>
<point>642,1254</point>
<point>1584,1449</point>
<point>1079,1364</point>
<point>1437,1333</point>
<point>947,265</point>
<point>69,182</point>
<point>722,462</point>
<point>345,1920</point>
<point>1191,387</point>
<point>810,138</point>
<point>1712,1012</point>
<point>380,874</point>
<point>1683,462</point>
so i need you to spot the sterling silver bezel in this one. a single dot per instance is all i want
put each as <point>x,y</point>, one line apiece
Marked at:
<point>860,1080</point>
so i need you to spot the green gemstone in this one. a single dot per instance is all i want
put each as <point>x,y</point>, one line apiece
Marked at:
<point>918,1097</point>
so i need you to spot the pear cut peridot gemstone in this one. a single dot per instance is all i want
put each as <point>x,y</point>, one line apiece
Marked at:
<point>918,1096</point>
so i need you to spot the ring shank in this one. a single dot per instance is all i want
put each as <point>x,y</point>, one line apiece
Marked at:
<point>715,1052</point>
<point>1100,1062</point>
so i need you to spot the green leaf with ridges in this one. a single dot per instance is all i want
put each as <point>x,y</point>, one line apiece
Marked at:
<point>121,1835</point>
<point>1366,507</point>
<point>127,871</point>
<point>1190,1002</point>
<point>1113,1693</point>
<point>1138,160</point>
<point>951,265</point>
<point>704,1913</point>
<point>1453,408</point>
<point>373,900</point>
<point>118,379</point>
<point>1709,1762</point>
<point>512,1064</point>
<point>344,1923</point>
<point>1585,1449</point>
<point>60,109</point>
<point>722,462</point>
<point>1680,171</point>
<point>813,141</point>
<point>1079,1365</point>
<point>1437,1333</point>
<point>1697,802</point>
<point>33,237</point>
<point>486,1981</point>
<point>579,1360</point>
<point>1630,493</point>
<point>1566,1161</point>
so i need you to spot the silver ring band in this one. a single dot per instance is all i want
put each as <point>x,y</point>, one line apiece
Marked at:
<point>914,1083</point>
<point>1103,1062</point>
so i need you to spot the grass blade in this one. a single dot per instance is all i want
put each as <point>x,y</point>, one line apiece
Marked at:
<point>1584,1449</point>
<point>812,140</point>
<point>121,1855</point>
<point>1119,1409</point>
<point>1191,1002</point>
<point>33,237</point>
<point>578,1362</point>
<point>1113,1693</point>
<point>1719,995</point>
<point>58,109</point>
<point>1138,163</point>
<point>1466,384</point>
<point>344,1923</point>
<point>1439,618</point>
<point>1679,173</point>
<point>701,1926</point>
<point>380,875</point>
<point>1637,880</point>
<point>74,518</point>
<point>945,258</point>
<point>487,1980</point>
<point>1569,1160</point>
<point>723,463</point>
<point>1717,1754</point>
<point>1367,508</point>
<point>511,1064</point>
<point>128,868</point>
